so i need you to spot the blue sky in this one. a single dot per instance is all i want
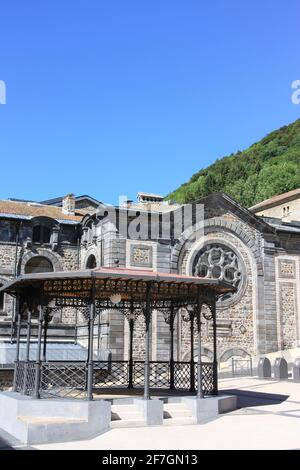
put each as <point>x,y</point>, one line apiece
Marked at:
<point>120,96</point>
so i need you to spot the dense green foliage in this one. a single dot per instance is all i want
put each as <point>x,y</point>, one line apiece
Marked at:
<point>267,168</point>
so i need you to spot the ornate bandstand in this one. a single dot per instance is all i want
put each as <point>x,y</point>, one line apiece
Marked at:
<point>133,293</point>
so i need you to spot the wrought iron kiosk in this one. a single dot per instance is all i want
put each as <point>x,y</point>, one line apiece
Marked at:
<point>133,293</point>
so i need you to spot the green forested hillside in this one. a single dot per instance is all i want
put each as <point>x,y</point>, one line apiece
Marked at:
<point>267,168</point>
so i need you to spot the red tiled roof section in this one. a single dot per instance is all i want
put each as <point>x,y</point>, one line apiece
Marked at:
<point>146,273</point>
<point>276,199</point>
<point>38,210</point>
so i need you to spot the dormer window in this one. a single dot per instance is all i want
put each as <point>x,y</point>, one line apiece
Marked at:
<point>41,234</point>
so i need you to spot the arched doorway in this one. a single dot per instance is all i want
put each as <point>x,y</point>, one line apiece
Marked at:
<point>91,262</point>
<point>38,264</point>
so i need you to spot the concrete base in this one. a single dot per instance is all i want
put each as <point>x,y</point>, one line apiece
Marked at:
<point>207,409</point>
<point>152,411</point>
<point>43,421</point>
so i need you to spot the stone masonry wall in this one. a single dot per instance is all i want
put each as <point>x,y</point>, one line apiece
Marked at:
<point>236,319</point>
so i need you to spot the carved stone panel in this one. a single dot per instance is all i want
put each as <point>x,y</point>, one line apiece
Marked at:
<point>287,268</point>
<point>141,256</point>
<point>287,304</point>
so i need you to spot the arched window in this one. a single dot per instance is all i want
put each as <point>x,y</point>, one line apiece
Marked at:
<point>38,264</point>
<point>1,299</point>
<point>41,234</point>
<point>91,262</point>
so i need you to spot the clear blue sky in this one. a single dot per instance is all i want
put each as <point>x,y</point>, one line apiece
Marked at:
<point>114,97</point>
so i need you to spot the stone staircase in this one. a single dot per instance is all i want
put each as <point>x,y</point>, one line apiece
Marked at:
<point>177,414</point>
<point>127,415</point>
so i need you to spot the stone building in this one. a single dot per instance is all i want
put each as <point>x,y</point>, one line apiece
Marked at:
<point>257,250</point>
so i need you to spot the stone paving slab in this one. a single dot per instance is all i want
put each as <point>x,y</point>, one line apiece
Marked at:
<point>269,420</point>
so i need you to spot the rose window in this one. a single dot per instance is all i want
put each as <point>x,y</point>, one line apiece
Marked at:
<point>217,261</point>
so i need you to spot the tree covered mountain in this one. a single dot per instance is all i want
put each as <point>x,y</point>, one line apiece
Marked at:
<point>269,167</point>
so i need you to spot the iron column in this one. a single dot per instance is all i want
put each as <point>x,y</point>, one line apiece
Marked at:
<point>131,329</point>
<point>147,344</point>
<point>18,343</point>
<point>27,351</point>
<point>38,355</point>
<point>90,345</point>
<point>192,362</point>
<point>172,385</point>
<point>46,321</point>
<point>199,362</point>
<point>215,363</point>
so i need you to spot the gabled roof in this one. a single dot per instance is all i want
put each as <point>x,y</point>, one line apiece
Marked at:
<point>220,199</point>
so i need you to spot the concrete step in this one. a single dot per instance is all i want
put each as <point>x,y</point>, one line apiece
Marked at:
<point>176,410</point>
<point>125,416</point>
<point>31,420</point>
<point>125,413</point>
<point>179,421</point>
<point>177,414</point>
<point>128,423</point>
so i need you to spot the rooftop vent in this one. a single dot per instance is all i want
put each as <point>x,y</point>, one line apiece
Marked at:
<point>68,204</point>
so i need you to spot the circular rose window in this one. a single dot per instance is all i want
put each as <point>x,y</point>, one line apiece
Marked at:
<point>216,261</point>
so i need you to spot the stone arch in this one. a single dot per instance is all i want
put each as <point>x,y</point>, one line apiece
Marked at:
<point>53,258</point>
<point>233,352</point>
<point>204,351</point>
<point>3,295</point>
<point>90,252</point>
<point>215,224</point>
<point>91,262</point>
<point>231,229</point>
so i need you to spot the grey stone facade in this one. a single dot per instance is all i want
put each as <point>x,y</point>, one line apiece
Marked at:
<point>262,317</point>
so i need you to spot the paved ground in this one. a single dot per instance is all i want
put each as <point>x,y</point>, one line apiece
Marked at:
<point>269,419</point>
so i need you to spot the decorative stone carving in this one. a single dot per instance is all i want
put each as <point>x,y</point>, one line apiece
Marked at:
<point>216,261</point>
<point>141,255</point>
<point>287,268</point>
<point>287,303</point>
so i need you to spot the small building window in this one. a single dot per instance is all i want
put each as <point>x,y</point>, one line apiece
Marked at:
<point>41,234</point>
<point>286,211</point>
<point>38,264</point>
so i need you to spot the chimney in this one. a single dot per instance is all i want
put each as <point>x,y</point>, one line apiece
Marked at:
<point>68,204</point>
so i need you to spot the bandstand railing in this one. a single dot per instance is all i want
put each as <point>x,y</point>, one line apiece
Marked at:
<point>60,379</point>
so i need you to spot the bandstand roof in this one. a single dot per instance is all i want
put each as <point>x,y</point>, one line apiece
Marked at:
<point>130,283</point>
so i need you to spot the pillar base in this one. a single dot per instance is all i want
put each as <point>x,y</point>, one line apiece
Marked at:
<point>208,409</point>
<point>152,410</point>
